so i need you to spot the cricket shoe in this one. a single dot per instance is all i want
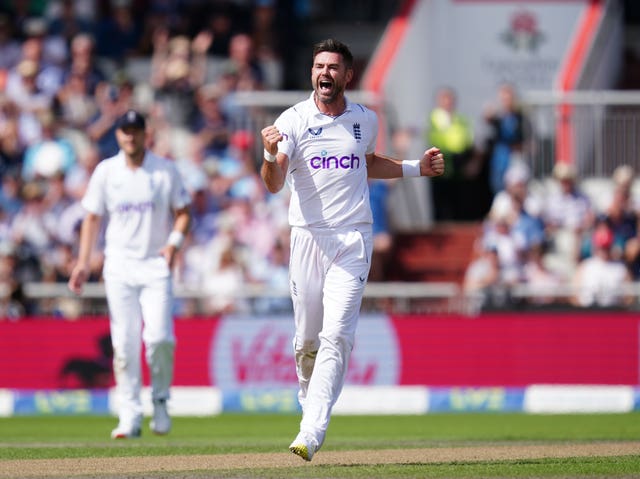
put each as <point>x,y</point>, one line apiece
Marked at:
<point>122,432</point>
<point>304,446</point>
<point>161,421</point>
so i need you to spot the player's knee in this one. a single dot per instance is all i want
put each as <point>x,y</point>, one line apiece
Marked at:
<point>341,343</point>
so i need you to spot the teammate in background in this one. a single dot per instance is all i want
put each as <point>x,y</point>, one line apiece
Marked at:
<point>324,148</point>
<point>140,192</point>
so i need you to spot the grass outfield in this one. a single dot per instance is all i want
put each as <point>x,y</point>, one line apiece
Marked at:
<point>447,445</point>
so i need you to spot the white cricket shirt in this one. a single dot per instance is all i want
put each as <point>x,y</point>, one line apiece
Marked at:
<point>327,171</point>
<point>138,202</point>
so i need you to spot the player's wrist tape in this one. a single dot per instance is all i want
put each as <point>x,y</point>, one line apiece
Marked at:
<point>176,238</point>
<point>269,157</point>
<point>411,168</point>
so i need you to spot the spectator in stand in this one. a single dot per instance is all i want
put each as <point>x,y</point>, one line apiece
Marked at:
<point>238,168</point>
<point>178,69</point>
<point>10,199</point>
<point>11,300</point>
<point>69,23</point>
<point>220,25</point>
<point>223,278</point>
<point>568,216</point>
<point>517,196</point>
<point>522,207</point>
<point>21,12</point>
<point>599,280</point>
<point>10,50</point>
<point>74,103</point>
<point>29,231</point>
<point>52,154</point>
<point>506,137</point>
<point>626,208</point>
<point>205,211</point>
<point>11,149</point>
<point>623,178</point>
<point>482,276</point>
<point>242,60</point>
<point>543,283</point>
<point>29,99</point>
<point>276,279</point>
<point>113,101</point>
<point>511,247</point>
<point>211,123</point>
<point>452,133</point>
<point>118,32</point>
<point>49,53</point>
<point>83,62</point>
<point>622,219</point>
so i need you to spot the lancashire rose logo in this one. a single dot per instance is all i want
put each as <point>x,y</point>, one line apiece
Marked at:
<point>523,33</point>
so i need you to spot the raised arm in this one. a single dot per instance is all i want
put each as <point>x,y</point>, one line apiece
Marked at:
<point>385,167</point>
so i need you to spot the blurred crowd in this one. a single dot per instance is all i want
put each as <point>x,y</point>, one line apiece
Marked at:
<point>65,76</point>
<point>560,243</point>
<point>549,239</point>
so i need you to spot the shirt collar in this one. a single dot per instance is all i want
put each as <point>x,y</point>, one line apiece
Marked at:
<point>324,115</point>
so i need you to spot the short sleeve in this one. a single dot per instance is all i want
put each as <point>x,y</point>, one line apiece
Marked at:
<point>371,147</point>
<point>94,200</point>
<point>180,197</point>
<point>286,125</point>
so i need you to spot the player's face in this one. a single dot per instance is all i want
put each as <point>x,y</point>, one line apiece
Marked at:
<point>329,76</point>
<point>131,140</point>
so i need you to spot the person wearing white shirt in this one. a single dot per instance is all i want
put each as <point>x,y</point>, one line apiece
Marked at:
<point>324,149</point>
<point>148,213</point>
<point>599,280</point>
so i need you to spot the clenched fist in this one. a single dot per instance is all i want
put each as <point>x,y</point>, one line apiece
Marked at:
<point>432,162</point>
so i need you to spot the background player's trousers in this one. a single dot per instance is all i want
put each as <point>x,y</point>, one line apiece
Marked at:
<point>140,298</point>
<point>328,273</point>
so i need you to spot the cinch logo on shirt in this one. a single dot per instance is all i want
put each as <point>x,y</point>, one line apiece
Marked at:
<point>137,207</point>
<point>347,162</point>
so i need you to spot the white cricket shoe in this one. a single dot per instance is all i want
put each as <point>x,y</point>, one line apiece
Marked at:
<point>161,421</point>
<point>304,446</point>
<point>126,432</point>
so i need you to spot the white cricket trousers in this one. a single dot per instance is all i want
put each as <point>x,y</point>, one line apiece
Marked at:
<point>328,272</point>
<point>140,299</point>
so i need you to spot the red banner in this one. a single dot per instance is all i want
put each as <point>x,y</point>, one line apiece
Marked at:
<point>520,349</point>
<point>490,350</point>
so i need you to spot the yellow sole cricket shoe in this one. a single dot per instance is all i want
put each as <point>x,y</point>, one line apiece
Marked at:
<point>303,446</point>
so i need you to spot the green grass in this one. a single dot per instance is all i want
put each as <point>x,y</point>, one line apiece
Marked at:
<point>52,437</point>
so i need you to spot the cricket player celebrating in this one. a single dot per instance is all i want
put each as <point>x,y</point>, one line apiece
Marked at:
<point>324,148</point>
<point>148,217</point>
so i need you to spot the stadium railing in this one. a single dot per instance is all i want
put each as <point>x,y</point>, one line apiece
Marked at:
<point>388,297</point>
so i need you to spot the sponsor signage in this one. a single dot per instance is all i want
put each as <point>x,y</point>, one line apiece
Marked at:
<point>249,352</point>
<point>479,357</point>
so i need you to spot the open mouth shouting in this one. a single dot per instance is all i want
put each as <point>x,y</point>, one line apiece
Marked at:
<point>325,87</point>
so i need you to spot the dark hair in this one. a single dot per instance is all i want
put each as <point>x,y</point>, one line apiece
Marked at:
<point>334,46</point>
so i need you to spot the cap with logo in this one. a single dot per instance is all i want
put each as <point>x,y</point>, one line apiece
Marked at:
<point>132,119</point>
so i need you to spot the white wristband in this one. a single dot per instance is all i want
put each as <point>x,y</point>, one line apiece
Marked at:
<point>269,157</point>
<point>176,238</point>
<point>411,168</point>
